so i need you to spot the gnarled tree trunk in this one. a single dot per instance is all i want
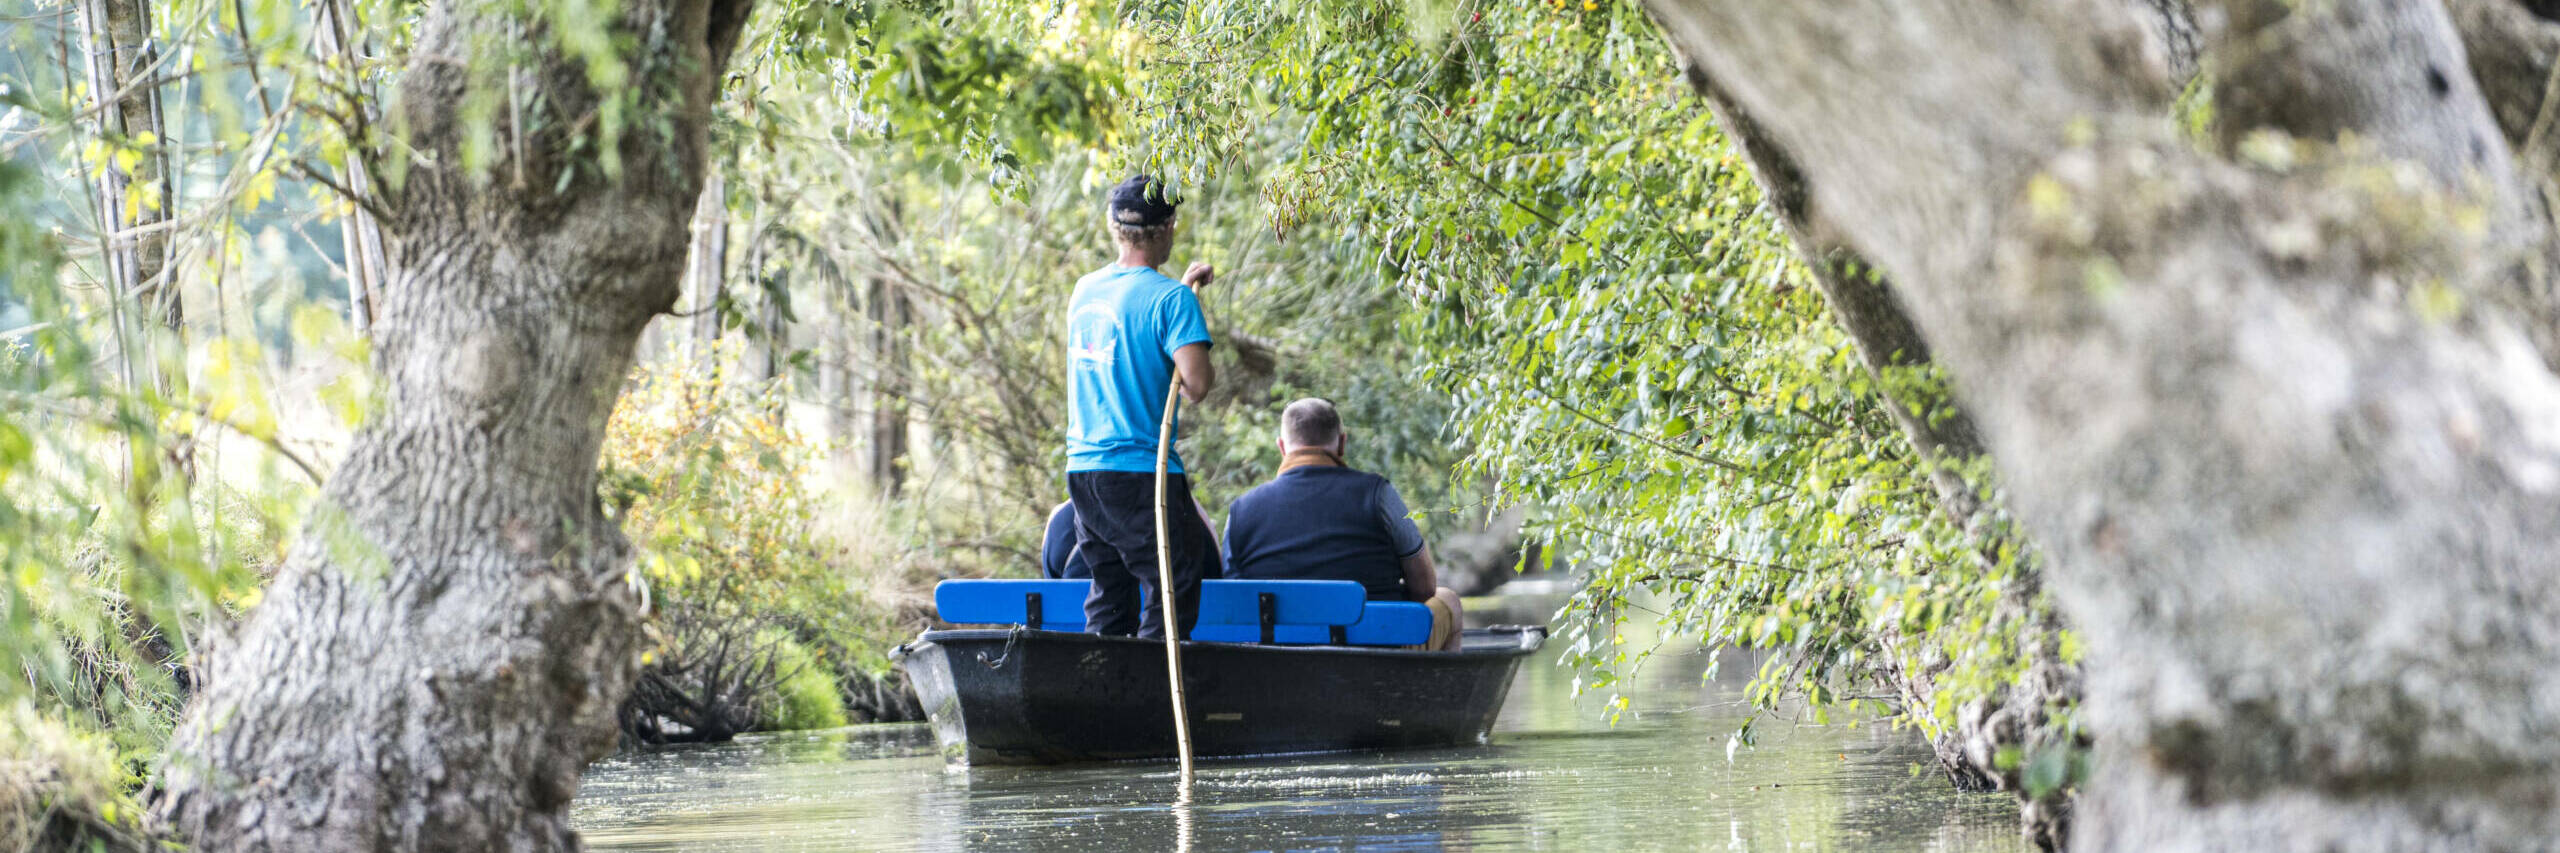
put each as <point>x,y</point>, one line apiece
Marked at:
<point>2274,410</point>
<point>444,649</point>
<point>2018,717</point>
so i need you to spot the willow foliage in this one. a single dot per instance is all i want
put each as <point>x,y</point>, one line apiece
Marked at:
<point>955,155</point>
<point>1634,351</point>
<point>1498,229</point>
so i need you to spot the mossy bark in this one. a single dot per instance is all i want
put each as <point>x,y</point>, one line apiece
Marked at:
<point>2275,411</point>
<point>1946,444</point>
<point>443,651</point>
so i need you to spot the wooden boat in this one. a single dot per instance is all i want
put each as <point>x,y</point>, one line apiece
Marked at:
<point>1024,696</point>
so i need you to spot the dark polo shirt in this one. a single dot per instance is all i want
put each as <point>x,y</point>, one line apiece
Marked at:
<point>1323,521</point>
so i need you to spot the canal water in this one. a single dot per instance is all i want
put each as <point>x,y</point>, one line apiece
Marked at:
<point>1559,775</point>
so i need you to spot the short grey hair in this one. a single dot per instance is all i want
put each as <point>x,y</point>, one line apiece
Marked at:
<point>1142,235</point>
<point>1311,422</point>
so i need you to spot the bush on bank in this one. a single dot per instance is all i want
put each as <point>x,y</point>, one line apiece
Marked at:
<point>760,608</point>
<point>65,789</point>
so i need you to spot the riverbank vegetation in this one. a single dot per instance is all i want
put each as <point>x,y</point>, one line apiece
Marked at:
<point>673,349</point>
<point>855,395</point>
<point>1638,355</point>
<point>854,399</point>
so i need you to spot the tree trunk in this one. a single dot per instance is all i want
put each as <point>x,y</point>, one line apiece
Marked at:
<point>835,344</point>
<point>444,649</point>
<point>133,204</point>
<point>772,334</point>
<point>2273,412</point>
<point>1947,445</point>
<point>335,40</point>
<point>2514,53</point>
<point>124,93</point>
<point>2511,48</point>
<point>886,305</point>
<point>707,258</point>
<point>836,383</point>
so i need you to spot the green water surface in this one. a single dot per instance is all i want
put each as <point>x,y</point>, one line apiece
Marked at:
<point>1558,776</point>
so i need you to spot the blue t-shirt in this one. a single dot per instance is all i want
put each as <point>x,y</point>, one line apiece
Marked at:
<point>1123,324</point>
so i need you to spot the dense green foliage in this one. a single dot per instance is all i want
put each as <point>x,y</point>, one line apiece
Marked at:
<point>150,476</point>
<point>966,189</point>
<point>136,516</point>
<point>1633,349</point>
<point>1504,236</point>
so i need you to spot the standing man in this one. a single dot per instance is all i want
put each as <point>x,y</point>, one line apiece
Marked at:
<point>1058,547</point>
<point>1129,330</point>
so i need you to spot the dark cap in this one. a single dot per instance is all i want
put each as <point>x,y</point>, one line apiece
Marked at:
<point>1141,201</point>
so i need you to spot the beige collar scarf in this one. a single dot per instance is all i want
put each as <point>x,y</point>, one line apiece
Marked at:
<point>1309,456</point>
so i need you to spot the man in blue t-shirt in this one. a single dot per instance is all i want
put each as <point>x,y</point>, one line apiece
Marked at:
<point>1129,329</point>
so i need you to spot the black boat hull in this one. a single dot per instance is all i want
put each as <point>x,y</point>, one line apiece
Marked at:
<point>1015,696</point>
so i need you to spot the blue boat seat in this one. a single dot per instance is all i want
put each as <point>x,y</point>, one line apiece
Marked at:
<point>1307,613</point>
<point>1240,602</point>
<point>1299,613</point>
<point>1391,623</point>
<point>1050,605</point>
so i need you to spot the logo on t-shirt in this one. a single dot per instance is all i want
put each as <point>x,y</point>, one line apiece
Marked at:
<point>1093,334</point>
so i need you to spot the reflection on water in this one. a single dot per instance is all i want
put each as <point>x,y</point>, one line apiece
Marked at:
<point>1557,777</point>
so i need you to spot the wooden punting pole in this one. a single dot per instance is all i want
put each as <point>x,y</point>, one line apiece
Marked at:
<point>1164,582</point>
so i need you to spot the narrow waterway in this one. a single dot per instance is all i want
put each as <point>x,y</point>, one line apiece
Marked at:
<point>1558,776</point>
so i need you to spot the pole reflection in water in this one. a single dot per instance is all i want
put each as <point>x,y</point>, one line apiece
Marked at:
<point>1182,816</point>
<point>1557,776</point>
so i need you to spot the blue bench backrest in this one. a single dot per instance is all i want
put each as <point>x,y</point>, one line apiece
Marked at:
<point>1239,602</point>
<point>1009,602</point>
<point>1392,623</point>
<point>1382,623</point>
<point>1307,613</point>
<point>1304,612</point>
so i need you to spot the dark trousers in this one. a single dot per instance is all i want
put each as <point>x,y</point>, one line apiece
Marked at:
<point>1116,539</point>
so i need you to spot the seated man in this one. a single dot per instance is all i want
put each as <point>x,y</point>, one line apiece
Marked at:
<point>1058,546</point>
<point>1321,520</point>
